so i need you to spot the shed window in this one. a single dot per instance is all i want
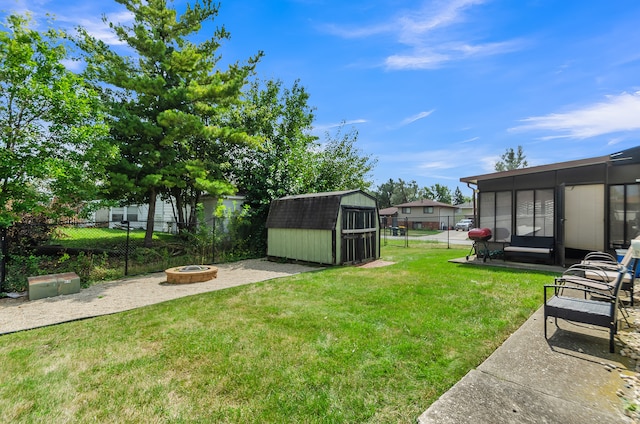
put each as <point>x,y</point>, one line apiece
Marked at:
<point>427,209</point>
<point>406,210</point>
<point>535,213</point>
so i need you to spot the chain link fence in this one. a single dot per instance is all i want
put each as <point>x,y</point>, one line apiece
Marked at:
<point>401,231</point>
<point>105,250</point>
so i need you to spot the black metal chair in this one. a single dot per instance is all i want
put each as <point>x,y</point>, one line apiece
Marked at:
<point>610,265</point>
<point>601,311</point>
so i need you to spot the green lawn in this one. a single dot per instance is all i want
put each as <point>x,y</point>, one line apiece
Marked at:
<point>104,238</point>
<point>345,344</point>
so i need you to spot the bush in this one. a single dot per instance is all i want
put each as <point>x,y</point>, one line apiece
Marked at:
<point>31,231</point>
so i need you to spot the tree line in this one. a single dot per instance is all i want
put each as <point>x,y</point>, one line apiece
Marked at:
<point>393,192</point>
<point>162,121</point>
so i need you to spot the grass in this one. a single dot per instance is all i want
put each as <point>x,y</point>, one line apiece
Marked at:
<point>104,238</point>
<point>345,344</point>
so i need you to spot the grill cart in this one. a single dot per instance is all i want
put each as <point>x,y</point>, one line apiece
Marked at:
<point>480,237</point>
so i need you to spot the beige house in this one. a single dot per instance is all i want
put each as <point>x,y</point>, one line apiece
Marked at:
<point>426,214</point>
<point>465,210</point>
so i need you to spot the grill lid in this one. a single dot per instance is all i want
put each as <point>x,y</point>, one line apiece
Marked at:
<point>480,234</point>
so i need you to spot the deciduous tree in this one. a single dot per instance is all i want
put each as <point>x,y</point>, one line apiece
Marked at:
<point>439,193</point>
<point>291,160</point>
<point>52,134</point>
<point>338,164</point>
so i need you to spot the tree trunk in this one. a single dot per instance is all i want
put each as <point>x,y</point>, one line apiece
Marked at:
<point>193,215</point>
<point>148,237</point>
<point>177,195</point>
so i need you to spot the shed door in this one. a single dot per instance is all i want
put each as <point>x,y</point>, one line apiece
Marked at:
<point>584,217</point>
<point>359,235</point>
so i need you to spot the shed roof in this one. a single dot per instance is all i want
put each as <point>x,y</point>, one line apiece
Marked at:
<point>315,211</point>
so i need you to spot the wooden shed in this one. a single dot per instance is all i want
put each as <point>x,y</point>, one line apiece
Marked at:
<point>340,227</point>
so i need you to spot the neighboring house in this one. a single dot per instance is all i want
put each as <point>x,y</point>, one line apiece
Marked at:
<point>388,217</point>
<point>136,215</point>
<point>465,210</point>
<point>427,214</point>
<point>164,220</point>
<point>340,227</point>
<point>585,205</point>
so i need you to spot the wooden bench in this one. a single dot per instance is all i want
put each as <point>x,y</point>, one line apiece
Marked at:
<point>530,248</point>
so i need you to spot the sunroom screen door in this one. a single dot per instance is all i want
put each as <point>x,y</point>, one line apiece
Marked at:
<point>584,222</point>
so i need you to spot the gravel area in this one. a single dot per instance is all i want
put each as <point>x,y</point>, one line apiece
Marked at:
<point>630,341</point>
<point>121,295</point>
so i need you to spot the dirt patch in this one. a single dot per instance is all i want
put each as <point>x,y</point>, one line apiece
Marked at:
<point>376,264</point>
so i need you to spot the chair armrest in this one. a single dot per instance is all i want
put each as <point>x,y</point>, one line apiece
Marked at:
<point>558,287</point>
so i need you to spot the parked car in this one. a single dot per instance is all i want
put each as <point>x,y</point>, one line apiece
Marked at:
<point>464,224</point>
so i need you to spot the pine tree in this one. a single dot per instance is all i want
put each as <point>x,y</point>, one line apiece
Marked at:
<point>167,103</point>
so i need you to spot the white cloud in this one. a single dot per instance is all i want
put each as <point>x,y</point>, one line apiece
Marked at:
<point>417,117</point>
<point>422,60</point>
<point>326,127</point>
<point>617,113</point>
<point>441,164</point>
<point>425,32</point>
<point>73,65</point>
<point>470,140</point>
<point>100,30</point>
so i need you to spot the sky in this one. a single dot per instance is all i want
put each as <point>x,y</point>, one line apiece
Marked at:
<point>437,90</point>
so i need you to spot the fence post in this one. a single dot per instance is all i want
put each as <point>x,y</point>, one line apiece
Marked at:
<point>406,232</point>
<point>126,250</point>
<point>213,240</point>
<point>4,251</point>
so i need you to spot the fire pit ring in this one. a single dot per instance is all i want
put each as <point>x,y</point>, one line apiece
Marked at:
<point>191,274</point>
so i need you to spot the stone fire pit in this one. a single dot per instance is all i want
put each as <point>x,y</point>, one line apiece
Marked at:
<point>191,274</point>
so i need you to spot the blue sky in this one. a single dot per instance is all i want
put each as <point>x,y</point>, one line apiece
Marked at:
<point>437,90</point>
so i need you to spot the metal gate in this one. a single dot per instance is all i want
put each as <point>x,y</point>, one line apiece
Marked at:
<point>359,234</point>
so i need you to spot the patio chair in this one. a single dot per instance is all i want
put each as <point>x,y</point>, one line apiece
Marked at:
<point>597,279</point>
<point>601,312</point>
<point>611,266</point>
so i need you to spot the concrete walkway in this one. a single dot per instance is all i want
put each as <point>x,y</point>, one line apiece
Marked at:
<point>571,378</point>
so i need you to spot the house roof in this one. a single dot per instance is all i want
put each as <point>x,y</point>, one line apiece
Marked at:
<point>315,211</point>
<point>467,205</point>
<point>388,211</point>
<point>623,157</point>
<point>424,202</point>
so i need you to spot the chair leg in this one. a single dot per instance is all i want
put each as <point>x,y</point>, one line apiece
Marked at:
<point>624,313</point>
<point>611,344</point>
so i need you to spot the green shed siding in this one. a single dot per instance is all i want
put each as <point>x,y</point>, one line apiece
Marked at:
<point>302,245</point>
<point>309,228</point>
<point>358,199</point>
